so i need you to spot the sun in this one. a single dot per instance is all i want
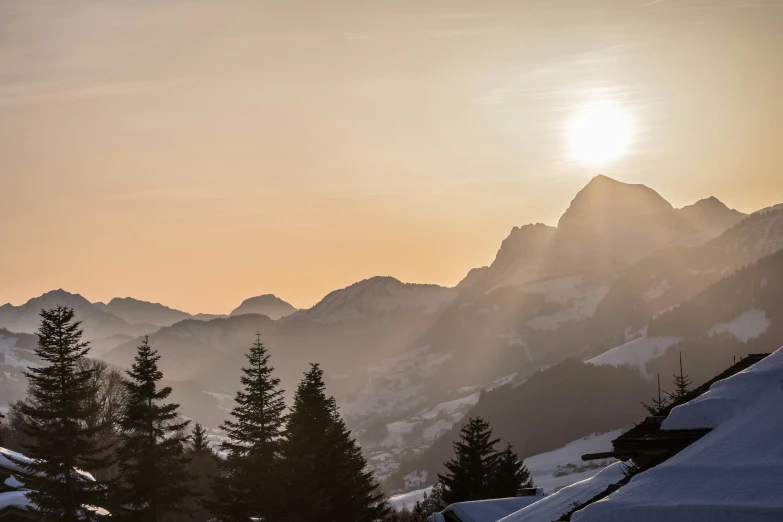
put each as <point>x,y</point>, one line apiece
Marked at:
<point>599,134</point>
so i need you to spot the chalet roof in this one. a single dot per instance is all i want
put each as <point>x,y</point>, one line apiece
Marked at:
<point>647,444</point>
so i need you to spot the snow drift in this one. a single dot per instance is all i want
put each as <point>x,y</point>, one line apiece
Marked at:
<point>731,474</point>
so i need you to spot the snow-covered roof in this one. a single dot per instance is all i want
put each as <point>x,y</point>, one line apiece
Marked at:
<point>17,499</point>
<point>14,461</point>
<point>491,510</point>
<point>732,473</point>
<point>551,507</point>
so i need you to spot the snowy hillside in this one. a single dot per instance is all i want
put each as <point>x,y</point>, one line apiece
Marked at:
<point>733,473</point>
<point>748,325</point>
<point>636,353</point>
<point>559,468</point>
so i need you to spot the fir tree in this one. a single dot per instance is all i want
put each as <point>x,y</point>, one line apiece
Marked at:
<point>54,418</point>
<point>418,514</point>
<point>328,480</point>
<point>198,441</point>
<point>658,405</point>
<point>682,383</point>
<point>434,501</point>
<point>469,474</point>
<point>1,427</point>
<point>152,458</point>
<point>203,467</point>
<point>249,485</point>
<point>510,475</point>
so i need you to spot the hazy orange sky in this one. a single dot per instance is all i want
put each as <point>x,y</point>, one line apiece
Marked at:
<point>196,152</point>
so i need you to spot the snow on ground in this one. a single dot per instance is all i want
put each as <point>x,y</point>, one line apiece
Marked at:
<point>396,383</point>
<point>408,500</point>
<point>733,473</point>
<point>551,507</point>
<point>11,353</point>
<point>584,306</point>
<point>745,326</point>
<point>635,353</point>
<point>563,466</point>
<point>657,290</point>
<point>491,510</point>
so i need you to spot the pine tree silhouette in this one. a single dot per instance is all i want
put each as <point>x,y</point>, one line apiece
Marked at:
<point>469,474</point>
<point>249,486</point>
<point>681,384</point>
<point>198,441</point>
<point>203,467</point>
<point>510,475</point>
<point>54,416</point>
<point>658,405</point>
<point>153,464</point>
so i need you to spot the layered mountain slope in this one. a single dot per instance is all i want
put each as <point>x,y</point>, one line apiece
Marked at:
<point>267,304</point>
<point>375,297</point>
<point>710,217</point>
<point>96,322</point>
<point>676,274</point>
<point>135,311</point>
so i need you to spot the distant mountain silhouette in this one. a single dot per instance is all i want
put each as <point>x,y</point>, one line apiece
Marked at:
<point>96,321</point>
<point>267,304</point>
<point>136,311</point>
<point>377,295</point>
<point>398,354</point>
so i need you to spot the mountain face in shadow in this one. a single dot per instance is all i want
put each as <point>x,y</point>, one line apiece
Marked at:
<point>267,304</point>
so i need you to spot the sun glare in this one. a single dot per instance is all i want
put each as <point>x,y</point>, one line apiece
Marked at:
<point>599,134</point>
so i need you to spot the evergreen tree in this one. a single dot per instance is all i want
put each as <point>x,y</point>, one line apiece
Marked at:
<point>469,474</point>
<point>682,383</point>
<point>327,479</point>
<point>249,485</point>
<point>54,418</point>
<point>418,514</point>
<point>203,467</point>
<point>198,441</point>
<point>510,475</point>
<point>1,427</point>
<point>434,501</point>
<point>658,405</point>
<point>152,453</point>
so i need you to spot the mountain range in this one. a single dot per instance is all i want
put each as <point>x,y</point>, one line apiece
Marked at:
<point>407,361</point>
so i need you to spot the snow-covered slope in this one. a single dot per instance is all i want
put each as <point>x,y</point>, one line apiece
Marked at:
<point>551,507</point>
<point>748,325</point>
<point>377,295</point>
<point>635,353</point>
<point>491,510</point>
<point>563,466</point>
<point>408,500</point>
<point>733,473</point>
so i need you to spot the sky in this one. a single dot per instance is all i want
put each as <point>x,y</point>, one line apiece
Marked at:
<point>199,152</point>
